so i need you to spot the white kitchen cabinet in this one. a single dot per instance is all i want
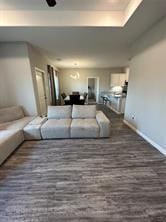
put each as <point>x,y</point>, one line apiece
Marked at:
<point>118,79</point>
<point>114,80</point>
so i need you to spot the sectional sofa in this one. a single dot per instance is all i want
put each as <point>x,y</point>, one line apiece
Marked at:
<point>77,121</point>
<point>12,122</point>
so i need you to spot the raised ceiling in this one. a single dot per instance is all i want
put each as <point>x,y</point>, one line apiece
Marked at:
<point>92,13</point>
<point>89,47</point>
<point>99,5</point>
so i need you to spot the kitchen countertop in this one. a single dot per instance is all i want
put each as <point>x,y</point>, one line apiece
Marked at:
<point>112,95</point>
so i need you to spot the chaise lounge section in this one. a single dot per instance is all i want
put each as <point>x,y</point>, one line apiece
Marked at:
<point>12,122</point>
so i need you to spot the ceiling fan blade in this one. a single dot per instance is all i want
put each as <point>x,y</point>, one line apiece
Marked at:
<point>51,3</point>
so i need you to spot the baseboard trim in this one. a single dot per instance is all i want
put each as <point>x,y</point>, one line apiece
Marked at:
<point>114,110</point>
<point>154,144</point>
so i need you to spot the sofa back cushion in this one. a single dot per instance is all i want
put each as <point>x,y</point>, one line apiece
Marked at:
<point>84,111</point>
<point>11,113</point>
<point>59,112</point>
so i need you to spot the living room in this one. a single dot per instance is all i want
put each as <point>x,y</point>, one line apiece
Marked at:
<point>101,158</point>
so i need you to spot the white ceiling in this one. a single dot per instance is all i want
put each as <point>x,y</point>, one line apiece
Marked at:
<point>109,13</point>
<point>96,5</point>
<point>90,46</point>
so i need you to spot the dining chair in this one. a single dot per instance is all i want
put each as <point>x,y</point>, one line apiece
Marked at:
<point>75,93</point>
<point>63,95</point>
<point>75,99</point>
<point>85,95</point>
<point>82,102</point>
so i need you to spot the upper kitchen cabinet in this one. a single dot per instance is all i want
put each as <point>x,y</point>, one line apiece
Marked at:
<point>118,79</point>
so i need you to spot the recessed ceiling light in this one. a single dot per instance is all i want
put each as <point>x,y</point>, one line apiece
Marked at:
<point>58,59</point>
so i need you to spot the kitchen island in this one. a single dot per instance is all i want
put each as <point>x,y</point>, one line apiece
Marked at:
<point>115,102</point>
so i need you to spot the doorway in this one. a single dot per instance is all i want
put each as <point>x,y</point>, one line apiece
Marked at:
<point>41,92</point>
<point>93,90</point>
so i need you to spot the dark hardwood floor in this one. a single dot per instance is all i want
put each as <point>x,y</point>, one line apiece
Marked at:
<point>120,179</point>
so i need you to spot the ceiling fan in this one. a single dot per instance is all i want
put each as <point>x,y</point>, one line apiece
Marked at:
<point>51,3</point>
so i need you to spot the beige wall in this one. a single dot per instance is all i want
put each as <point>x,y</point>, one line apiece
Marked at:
<point>38,60</point>
<point>68,84</point>
<point>3,90</point>
<point>15,77</point>
<point>146,100</point>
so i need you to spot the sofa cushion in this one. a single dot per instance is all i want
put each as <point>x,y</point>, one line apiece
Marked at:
<point>32,131</point>
<point>59,112</point>
<point>84,111</point>
<point>56,128</point>
<point>17,124</point>
<point>87,128</point>
<point>9,141</point>
<point>11,113</point>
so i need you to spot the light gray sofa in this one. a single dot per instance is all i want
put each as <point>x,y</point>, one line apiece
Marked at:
<point>79,121</point>
<point>62,122</point>
<point>12,122</point>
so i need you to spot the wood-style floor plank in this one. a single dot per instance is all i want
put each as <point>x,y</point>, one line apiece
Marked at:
<point>120,179</point>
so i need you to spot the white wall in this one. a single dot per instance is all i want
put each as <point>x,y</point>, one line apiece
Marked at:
<point>15,77</point>
<point>68,84</point>
<point>146,100</point>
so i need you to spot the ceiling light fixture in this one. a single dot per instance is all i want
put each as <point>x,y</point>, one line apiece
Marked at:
<point>76,64</point>
<point>75,76</point>
<point>51,3</point>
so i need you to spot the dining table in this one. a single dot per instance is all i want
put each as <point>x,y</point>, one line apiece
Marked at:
<point>68,98</point>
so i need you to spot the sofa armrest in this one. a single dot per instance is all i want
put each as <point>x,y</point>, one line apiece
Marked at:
<point>32,131</point>
<point>104,124</point>
<point>38,121</point>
